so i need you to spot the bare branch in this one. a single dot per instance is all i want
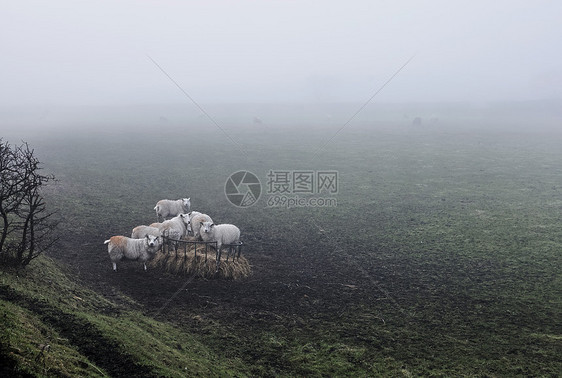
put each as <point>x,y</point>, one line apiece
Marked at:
<point>27,228</point>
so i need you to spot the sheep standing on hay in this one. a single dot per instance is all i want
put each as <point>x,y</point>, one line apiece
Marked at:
<point>140,232</point>
<point>195,220</point>
<point>169,208</point>
<point>124,248</point>
<point>221,233</point>
<point>176,227</point>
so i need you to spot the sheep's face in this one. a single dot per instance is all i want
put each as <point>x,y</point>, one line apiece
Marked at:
<point>185,219</point>
<point>186,203</point>
<point>189,228</point>
<point>206,227</point>
<point>152,241</point>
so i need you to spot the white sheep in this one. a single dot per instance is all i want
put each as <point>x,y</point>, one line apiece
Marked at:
<point>169,208</point>
<point>140,232</point>
<point>195,220</point>
<point>124,248</point>
<point>222,234</point>
<point>176,227</point>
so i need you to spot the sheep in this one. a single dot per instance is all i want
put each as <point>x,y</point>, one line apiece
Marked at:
<point>140,232</point>
<point>195,219</point>
<point>176,227</point>
<point>169,208</point>
<point>222,234</point>
<point>191,214</point>
<point>124,248</point>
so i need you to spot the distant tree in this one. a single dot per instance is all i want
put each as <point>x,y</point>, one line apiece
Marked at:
<point>28,229</point>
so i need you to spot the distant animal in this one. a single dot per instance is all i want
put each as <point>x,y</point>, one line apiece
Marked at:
<point>124,248</point>
<point>195,219</point>
<point>221,233</point>
<point>170,208</point>
<point>140,232</point>
<point>257,121</point>
<point>417,121</point>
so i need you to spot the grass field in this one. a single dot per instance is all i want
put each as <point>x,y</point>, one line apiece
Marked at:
<point>442,256</point>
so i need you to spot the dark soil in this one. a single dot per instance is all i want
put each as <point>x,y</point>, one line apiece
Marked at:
<point>293,286</point>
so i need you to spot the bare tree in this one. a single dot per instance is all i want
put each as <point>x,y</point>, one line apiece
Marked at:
<point>27,227</point>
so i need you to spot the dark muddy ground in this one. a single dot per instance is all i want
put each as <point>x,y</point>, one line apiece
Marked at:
<point>284,282</point>
<point>439,257</point>
<point>294,288</point>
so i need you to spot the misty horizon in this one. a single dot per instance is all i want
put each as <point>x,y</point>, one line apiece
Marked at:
<point>64,54</point>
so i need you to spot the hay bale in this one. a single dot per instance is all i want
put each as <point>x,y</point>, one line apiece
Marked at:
<point>184,262</point>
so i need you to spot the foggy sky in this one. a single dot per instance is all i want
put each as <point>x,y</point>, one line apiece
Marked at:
<point>96,52</point>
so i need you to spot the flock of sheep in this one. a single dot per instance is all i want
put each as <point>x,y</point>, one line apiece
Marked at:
<point>145,241</point>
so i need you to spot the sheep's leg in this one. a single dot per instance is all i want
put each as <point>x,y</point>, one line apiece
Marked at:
<point>218,257</point>
<point>115,267</point>
<point>144,266</point>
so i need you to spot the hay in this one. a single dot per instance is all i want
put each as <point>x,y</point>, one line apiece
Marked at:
<point>185,263</point>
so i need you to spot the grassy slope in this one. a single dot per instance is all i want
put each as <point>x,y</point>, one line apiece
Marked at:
<point>89,335</point>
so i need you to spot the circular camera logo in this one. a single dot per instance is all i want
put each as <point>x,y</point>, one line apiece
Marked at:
<point>243,189</point>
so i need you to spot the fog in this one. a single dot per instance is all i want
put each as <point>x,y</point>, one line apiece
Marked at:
<point>64,60</point>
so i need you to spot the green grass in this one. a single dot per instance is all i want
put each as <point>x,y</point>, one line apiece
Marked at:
<point>24,337</point>
<point>42,305</point>
<point>442,257</point>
